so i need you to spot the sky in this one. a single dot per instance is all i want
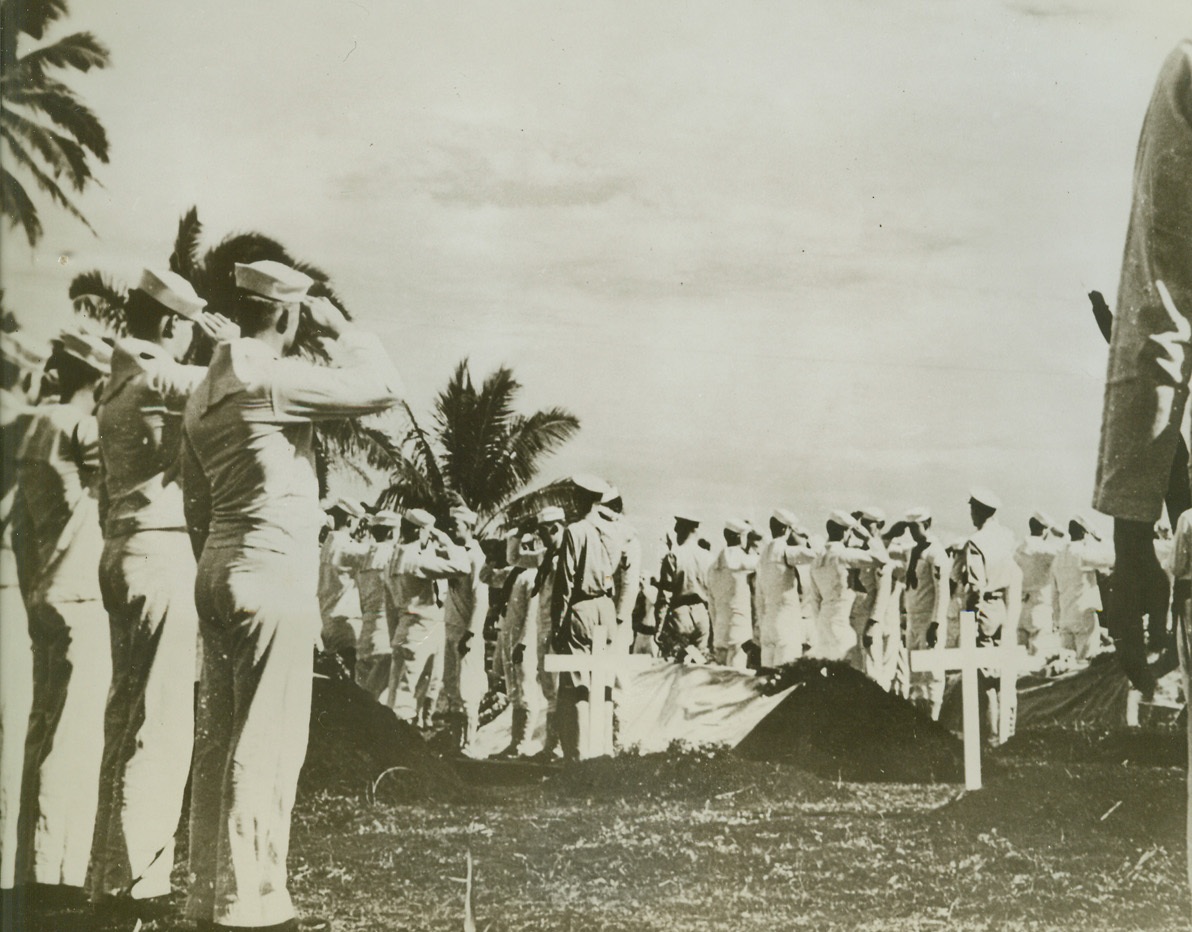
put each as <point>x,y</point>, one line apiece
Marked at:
<point>815,255</point>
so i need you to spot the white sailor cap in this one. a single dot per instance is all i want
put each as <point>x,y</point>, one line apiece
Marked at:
<point>611,494</point>
<point>386,518</point>
<point>1084,522</point>
<point>842,518</point>
<point>785,517</point>
<point>918,515</point>
<point>983,496</point>
<point>1043,518</point>
<point>419,517</point>
<point>590,483</point>
<point>736,525</point>
<point>21,351</point>
<point>685,517</point>
<point>88,348</point>
<point>550,514</point>
<point>273,280</point>
<point>873,513</point>
<point>172,291</point>
<point>464,515</point>
<point>349,507</point>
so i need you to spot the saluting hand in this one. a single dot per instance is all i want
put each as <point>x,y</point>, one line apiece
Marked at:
<point>325,316</point>
<point>217,327</point>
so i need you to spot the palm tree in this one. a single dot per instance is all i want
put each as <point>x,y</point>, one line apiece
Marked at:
<point>47,130</point>
<point>480,452</point>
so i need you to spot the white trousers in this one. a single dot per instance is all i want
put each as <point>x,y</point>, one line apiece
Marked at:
<point>16,695</point>
<point>416,675</point>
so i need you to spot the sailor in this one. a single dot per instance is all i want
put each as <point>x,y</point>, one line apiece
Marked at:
<point>57,542</point>
<point>732,603</point>
<point>681,609</point>
<point>465,681</point>
<point>582,608</point>
<point>986,577</point>
<point>252,507</point>
<point>871,612</point>
<point>1034,557</point>
<point>1076,593</point>
<point>551,522</point>
<point>418,572</point>
<point>341,556</point>
<point>147,576</point>
<point>518,642</point>
<point>779,607</point>
<point>21,364</point>
<point>834,637</point>
<point>928,571</point>
<point>627,578</point>
<point>373,647</point>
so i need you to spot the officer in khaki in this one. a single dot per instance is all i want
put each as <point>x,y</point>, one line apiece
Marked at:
<point>57,544</point>
<point>582,607</point>
<point>681,610</point>
<point>253,510</point>
<point>147,576</point>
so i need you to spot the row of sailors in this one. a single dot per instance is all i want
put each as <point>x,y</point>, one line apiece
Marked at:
<point>130,465</point>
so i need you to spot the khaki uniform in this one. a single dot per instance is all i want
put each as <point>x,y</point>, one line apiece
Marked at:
<point>147,577</point>
<point>16,653</point>
<point>252,501</point>
<point>57,543</point>
<point>681,610</point>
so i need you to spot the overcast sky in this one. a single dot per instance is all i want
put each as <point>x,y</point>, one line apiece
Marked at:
<point>813,254</point>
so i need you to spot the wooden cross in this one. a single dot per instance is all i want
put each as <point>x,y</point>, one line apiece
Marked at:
<point>968,659</point>
<point>600,669</point>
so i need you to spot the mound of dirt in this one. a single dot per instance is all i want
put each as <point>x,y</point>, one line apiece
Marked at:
<point>839,724</point>
<point>691,775</point>
<point>1159,747</point>
<point>359,747</point>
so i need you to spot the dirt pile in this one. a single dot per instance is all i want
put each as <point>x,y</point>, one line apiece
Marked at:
<point>358,747</point>
<point>839,724</point>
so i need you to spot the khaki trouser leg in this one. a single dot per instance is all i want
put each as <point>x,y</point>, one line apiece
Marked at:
<point>16,691</point>
<point>64,747</point>
<point>148,585</point>
<point>259,620</point>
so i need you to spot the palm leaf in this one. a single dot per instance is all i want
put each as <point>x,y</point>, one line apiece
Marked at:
<point>44,181</point>
<point>31,17</point>
<point>18,208</point>
<point>60,153</point>
<point>80,51</point>
<point>530,439</point>
<point>59,103</point>
<point>185,258</point>
<point>424,455</point>
<point>561,493</point>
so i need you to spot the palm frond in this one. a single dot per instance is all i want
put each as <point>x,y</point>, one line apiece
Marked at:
<point>58,102</point>
<point>31,17</point>
<point>185,258</point>
<point>424,455</point>
<point>80,51</point>
<point>560,493</point>
<point>93,294</point>
<point>18,208</point>
<point>44,181</point>
<point>61,154</point>
<point>529,440</point>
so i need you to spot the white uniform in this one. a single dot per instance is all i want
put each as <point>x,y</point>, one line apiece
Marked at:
<point>252,499</point>
<point>147,576</point>
<point>926,598</point>
<point>417,577</point>
<point>340,559</point>
<point>1077,595</point>
<point>626,585</point>
<point>519,639</point>
<point>779,608</point>
<point>56,524</point>
<point>374,646</point>
<point>465,681</point>
<point>832,599</point>
<point>732,605</point>
<point>1036,632</point>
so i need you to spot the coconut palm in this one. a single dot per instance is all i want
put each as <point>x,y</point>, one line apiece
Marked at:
<point>48,133</point>
<point>479,451</point>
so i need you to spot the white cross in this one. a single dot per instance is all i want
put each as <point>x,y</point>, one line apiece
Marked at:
<point>601,668</point>
<point>968,659</point>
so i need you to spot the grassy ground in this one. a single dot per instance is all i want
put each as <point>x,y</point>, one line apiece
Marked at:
<point>1078,840</point>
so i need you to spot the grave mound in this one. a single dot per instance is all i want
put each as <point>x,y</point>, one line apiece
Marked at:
<point>839,724</point>
<point>359,747</point>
